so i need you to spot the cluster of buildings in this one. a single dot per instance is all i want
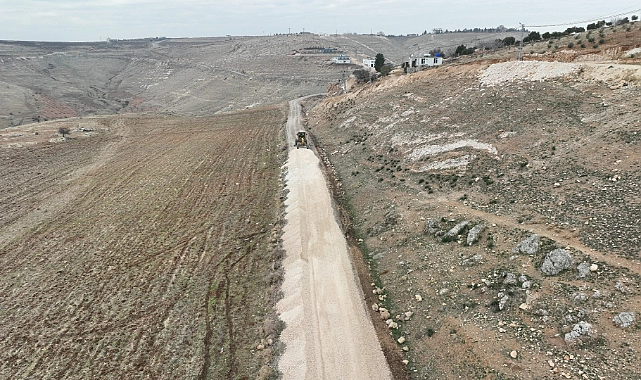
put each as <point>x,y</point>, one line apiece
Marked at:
<point>412,64</point>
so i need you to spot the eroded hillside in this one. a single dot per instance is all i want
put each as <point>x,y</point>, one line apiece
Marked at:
<point>498,203</point>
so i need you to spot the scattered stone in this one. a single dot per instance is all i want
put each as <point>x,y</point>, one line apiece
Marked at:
<point>474,234</point>
<point>579,331</point>
<point>260,347</point>
<point>510,279</point>
<point>514,354</point>
<point>384,313</point>
<point>472,260</point>
<point>526,284</point>
<point>391,217</point>
<point>405,348</point>
<point>401,340</point>
<point>375,307</point>
<point>584,269</point>
<point>541,312</point>
<point>431,227</point>
<point>624,319</point>
<point>418,297</point>
<point>406,362</point>
<point>556,261</point>
<point>528,246</point>
<point>503,302</point>
<point>620,287</point>
<point>408,315</point>
<point>443,291</point>
<point>580,297</point>
<point>593,268</point>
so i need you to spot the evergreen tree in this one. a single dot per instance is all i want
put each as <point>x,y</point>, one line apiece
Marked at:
<point>379,61</point>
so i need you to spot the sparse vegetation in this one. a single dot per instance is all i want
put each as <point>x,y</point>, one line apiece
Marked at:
<point>63,131</point>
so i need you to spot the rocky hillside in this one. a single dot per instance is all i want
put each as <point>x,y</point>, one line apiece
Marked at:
<point>497,204</point>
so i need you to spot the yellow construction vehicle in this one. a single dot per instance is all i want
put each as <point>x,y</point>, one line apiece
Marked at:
<point>301,140</point>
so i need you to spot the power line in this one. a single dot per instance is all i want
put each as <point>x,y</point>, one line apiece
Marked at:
<point>585,21</point>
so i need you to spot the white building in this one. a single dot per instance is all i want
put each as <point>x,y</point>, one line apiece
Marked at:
<point>341,59</point>
<point>369,62</point>
<point>417,63</point>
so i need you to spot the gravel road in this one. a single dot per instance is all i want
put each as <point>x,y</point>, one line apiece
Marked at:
<point>328,333</point>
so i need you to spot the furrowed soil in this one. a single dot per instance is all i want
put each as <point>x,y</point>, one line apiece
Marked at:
<point>146,250</point>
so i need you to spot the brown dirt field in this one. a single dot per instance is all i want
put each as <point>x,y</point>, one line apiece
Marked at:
<point>144,233</point>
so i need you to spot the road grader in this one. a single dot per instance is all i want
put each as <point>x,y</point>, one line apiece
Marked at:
<point>301,140</point>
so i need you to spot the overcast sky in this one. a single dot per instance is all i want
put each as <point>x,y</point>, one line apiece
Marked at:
<point>93,20</point>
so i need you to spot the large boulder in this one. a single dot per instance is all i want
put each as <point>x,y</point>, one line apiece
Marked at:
<point>474,234</point>
<point>453,233</point>
<point>579,333</point>
<point>624,320</point>
<point>528,246</point>
<point>583,269</point>
<point>555,262</point>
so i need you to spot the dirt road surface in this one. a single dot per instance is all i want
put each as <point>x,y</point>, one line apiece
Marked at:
<point>328,333</point>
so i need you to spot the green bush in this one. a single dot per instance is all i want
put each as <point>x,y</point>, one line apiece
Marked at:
<point>601,41</point>
<point>571,45</point>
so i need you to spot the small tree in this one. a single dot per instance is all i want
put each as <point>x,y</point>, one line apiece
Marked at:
<point>464,50</point>
<point>64,131</point>
<point>534,36</point>
<point>385,70</point>
<point>362,75</point>
<point>507,41</point>
<point>379,61</point>
<point>634,17</point>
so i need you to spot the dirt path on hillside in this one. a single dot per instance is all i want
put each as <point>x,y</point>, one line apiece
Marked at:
<point>328,333</point>
<point>563,237</point>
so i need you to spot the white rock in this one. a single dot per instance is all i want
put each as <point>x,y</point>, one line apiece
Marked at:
<point>514,354</point>
<point>375,307</point>
<point>401,340</point>
<point>418,297</point>
<point>593,268</point>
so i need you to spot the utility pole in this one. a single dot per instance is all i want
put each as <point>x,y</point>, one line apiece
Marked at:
<point>521,46</point>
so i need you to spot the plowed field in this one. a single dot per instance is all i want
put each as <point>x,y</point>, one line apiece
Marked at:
<point>121,254</point>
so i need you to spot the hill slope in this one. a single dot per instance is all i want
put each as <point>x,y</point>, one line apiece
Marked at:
<point>448,173</point>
